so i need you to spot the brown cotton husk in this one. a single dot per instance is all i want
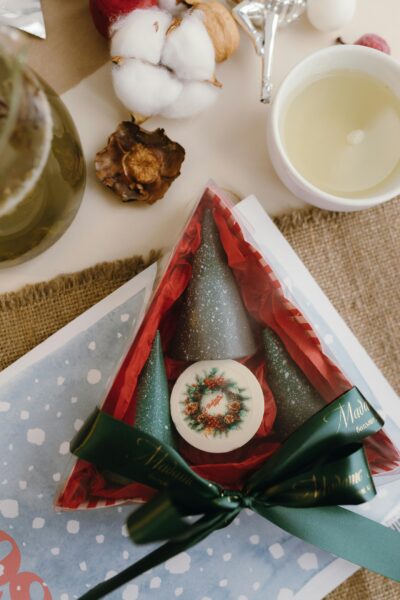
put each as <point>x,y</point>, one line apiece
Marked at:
<point>221,27</point>
<point>214,81</point>
<point>175,23</point>
<point>138,164</point>
<point>139,118</point>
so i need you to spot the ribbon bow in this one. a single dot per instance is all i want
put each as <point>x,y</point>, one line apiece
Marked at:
<point>320,465</point>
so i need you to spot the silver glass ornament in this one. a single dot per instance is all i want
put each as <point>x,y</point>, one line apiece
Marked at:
<point>260,19</point>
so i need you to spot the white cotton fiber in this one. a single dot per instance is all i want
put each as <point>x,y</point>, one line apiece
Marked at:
<point>188,49</point>
<point>144,88</point>
<point>141,34</point>
<point>194,97</point>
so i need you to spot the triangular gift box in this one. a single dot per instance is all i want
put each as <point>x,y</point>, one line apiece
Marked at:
<point>264,300</point>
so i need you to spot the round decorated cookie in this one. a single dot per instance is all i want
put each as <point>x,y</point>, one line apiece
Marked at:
<point>217,405</point>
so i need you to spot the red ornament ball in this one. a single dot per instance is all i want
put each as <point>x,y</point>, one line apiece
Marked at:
<point>105,12</point>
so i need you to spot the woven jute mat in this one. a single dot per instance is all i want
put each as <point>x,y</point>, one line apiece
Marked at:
<point>355,257</point>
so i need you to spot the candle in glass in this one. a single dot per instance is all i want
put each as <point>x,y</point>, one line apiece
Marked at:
<point>341,131</point>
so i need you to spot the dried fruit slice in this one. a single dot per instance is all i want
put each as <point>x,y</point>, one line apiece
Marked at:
<point>138,164</point>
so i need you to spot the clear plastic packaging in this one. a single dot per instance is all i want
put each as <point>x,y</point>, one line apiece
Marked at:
<point>292,320</point>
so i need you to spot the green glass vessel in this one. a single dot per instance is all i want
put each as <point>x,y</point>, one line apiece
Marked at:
<point>42,169</point>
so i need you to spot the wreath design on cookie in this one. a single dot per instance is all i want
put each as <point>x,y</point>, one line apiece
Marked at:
<point>214,405</point>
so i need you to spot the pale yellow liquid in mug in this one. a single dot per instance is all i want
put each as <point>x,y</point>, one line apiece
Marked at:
<point>341,132</point>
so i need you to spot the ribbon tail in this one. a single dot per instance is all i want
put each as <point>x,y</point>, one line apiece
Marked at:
<point>342,533</point>
<point>199,531</point>
<point>155,558</point>
<point>158,520</point>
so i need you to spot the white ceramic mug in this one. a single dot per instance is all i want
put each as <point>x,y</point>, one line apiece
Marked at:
<point>357,58</point>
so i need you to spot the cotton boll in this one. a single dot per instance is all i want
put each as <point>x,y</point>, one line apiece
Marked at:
<point>188,49</point>
<point>174,7</point>
<point>141,34</point>
<point>144,88</point>
<point>194,97</point>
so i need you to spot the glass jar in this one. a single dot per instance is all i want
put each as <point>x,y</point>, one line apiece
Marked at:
<point>42,169</point>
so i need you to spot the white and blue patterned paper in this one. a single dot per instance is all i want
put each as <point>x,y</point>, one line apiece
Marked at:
<point>43,402</point>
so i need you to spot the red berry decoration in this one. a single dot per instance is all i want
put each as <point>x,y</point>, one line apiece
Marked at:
<point>371,40</point>
<point>105,12</point>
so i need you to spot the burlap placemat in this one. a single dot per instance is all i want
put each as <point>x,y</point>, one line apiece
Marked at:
<point>355,258</point>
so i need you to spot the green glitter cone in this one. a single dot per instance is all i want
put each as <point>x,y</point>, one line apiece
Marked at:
<point>152,399</point>
<point>296,399</point>
<point>214,323</point>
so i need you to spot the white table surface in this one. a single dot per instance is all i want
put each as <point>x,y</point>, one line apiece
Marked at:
<point>227,144</point>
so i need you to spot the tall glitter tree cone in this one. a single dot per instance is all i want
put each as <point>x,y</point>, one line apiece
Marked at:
<point>213,322</point>
<point>152,398</point>
<point>296,399</point>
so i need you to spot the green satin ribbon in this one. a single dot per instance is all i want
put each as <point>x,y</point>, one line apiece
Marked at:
<point>320,465</point>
